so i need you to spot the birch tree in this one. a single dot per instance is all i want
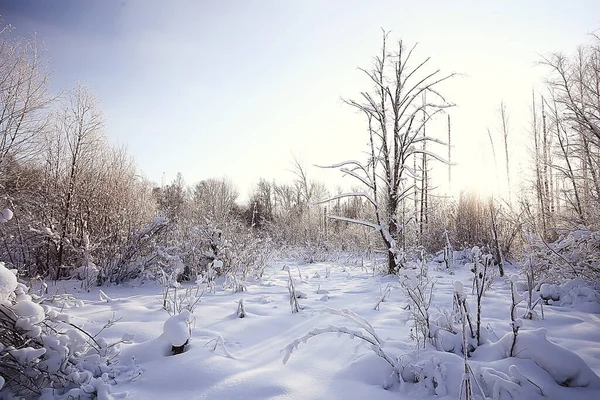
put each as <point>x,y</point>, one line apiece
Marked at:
<point>393,110</point>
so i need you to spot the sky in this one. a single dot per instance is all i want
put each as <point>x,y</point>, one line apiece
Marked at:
<point>237,89</point>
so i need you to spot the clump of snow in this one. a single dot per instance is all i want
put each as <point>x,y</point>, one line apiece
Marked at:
<point>496,382</point>
<point>574,293</point>
<point>29,315</point>
<point>27,355</point>
<point>8,283</point>
<point>30,310</point>
<point>89,271</point>
<point>476,252</point>
<point>159,220</point>
<point>579,294</point>
<point>549,292</point>
<point>5,215</point>
<point>518,323</point>
<point>217,264</point>
<point>176,329</point>
<point>459,287</point>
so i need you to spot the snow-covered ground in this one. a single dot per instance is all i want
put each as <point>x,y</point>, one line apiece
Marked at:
<point>241,358</point>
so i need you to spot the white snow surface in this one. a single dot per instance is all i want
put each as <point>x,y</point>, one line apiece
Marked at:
<point>241,358</point>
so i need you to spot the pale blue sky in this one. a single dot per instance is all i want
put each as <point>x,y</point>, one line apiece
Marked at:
<point>233,88</point>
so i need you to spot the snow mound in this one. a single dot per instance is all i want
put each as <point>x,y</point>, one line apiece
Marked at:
<point>8,283</point>
<point>549,292</point>
<point>176,329</point>
<point>565,367</point>
<point>576,293</point>
<point>30,310</point>
<point>5,215</point>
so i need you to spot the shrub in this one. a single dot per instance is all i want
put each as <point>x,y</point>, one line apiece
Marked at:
<point>42,352</point>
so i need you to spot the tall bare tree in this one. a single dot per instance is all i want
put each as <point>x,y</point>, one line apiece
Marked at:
<point>392,109</point>
<point>214,199</point>
<point>449,158</point>
<point>24,96</point>
<point>504,122</point>
<point>574,86</point>
<point>81,123</point>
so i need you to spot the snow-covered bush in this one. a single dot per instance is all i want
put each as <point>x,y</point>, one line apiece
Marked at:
<point>515,322</point>
<point>175,299</point>
<point>241,254</point>
<point>136,255</point>
<point>44,355</point>
<point>418,288</point>
<point>177,331</point>
<point>576,293</point>
<point>565,367</point>
<point>314,251</point>
<point>531,295</point>
<point>575,254</point>
<point>463,316</point>
<point>294,304</point>
<point>428,373</point>
<point>482,280</point>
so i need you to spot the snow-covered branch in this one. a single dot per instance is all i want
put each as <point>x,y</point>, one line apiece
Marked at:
<point>344,195</point>
<point>356,221</point>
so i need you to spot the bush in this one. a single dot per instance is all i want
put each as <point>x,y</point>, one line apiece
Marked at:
<point>575,254</point>
<point>43,354</point>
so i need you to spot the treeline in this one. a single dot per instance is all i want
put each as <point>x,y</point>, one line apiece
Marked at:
<point>79,201</point>
<point>82,207</point>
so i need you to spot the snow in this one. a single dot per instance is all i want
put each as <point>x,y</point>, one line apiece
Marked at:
<point>549,292</point>
<point>30,310</point>
<point>565,367</point>
<point>324,346</point>
<point>8,283</point>
<point>176,329</point>
<point>5,215</point>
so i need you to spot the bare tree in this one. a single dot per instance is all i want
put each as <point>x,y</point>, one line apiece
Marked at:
<point>568,170</point>
<point>392,109</point>
<point>504,121</point>
<point>81,122</point>
<point>260,205</point>
<point>423,214</point>
<point>574,86</point>
<point>542,158</point>
<point>214,199</point>
<point>449,159</point>
<point>24,96</point>
<point>495,159</point>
